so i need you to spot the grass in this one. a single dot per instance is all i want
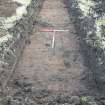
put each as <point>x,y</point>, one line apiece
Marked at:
<point>10,21</point>
<point>99,36</point>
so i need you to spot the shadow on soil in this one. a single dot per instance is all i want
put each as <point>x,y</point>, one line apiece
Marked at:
<point>91,77</point>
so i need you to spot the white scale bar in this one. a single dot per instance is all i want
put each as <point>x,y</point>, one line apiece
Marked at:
<point>54,32</point>
<point>53,40</point>
<point>61,30</point>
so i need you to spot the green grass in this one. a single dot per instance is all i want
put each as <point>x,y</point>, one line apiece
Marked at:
<point>24,2</point>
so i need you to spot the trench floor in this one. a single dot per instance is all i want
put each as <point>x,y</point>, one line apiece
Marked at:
<point>59,70</point>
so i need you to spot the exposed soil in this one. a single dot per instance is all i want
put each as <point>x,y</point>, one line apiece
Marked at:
<point>61,71</point>
<point>51,76</point>
<point>8,8</point>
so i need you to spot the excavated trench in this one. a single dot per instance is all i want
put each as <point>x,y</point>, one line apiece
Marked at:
<point>52,76</point>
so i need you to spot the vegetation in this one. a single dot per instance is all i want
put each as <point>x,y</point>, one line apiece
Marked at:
<point>95,10</point>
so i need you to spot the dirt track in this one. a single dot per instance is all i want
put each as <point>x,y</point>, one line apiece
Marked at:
<point>62,72</point>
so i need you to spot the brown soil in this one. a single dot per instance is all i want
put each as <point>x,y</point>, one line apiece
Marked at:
<point>61,71</point>
<point>8,8</point>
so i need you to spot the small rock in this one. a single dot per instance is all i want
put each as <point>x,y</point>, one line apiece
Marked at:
<point>15,103</point>
<point>68,104</point>
<point>103,102</point>
<point>67,64</point>
<point>28,89</point>
<point>21,83</point>
<point>47,44</point>
<point>92,103</point>
<point>75,100</point>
